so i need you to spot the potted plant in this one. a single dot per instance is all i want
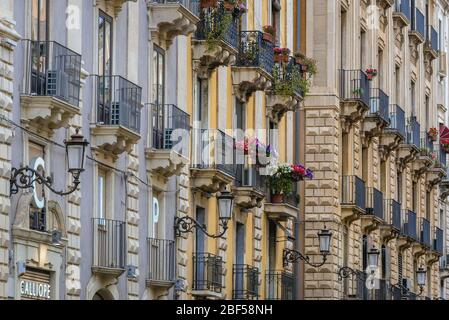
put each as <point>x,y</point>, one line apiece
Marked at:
<point>239,9</point>
<point>282,177</point>
<point>205,4</point>
<point>281,54</point>
<point>433,134</point>
<point>358,92</point>
<point>229,5</point>
<point>371,73</point>
<point>269,32</point>
<point>445,147</point>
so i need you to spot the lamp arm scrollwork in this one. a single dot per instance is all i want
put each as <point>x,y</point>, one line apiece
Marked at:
<point>291,256</point>
<point>25,177</point>
<point>187,224</point>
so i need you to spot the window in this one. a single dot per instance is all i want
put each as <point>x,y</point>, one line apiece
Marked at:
<point>272,135</point>
<point>39,20</point>
<point>362,49</point>
<point>428,113</point>
<point>276,21</point>
<point>155,216</point>
<point>413,97</point>
<point>398,85</point>
<point>104,44</point>
<point>428,209</point>
<point>158,75</point>
<point>101,194</point>
<point>38,217</point>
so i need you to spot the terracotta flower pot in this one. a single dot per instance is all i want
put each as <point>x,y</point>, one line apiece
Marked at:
<point>280,58</point>
<point>277,198</point>
<point>229,6</point>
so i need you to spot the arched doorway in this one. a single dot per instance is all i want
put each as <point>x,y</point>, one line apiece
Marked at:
<point>103,294</point>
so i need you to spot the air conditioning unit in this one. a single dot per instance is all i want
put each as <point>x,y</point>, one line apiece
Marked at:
<point>58,84</point>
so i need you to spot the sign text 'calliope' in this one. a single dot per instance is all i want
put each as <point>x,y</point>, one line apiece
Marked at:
<point>34,289</point>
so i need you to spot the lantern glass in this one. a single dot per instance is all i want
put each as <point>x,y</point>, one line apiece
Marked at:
<point>421,277</point>
<point>75,149</point>
<point>373,257</point>
<point>324,237</point>
<point>225,205</point>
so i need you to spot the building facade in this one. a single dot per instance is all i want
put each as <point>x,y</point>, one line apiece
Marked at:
<point>185,101</point>
<point>372,135</point>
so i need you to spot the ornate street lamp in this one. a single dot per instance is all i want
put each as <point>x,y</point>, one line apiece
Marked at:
<point>373,260</point>
<point>324,238</point>
<point>421,279</point>
<point>26,177</point>
<point>225,208</point>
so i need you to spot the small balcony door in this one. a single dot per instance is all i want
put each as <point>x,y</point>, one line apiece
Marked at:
<point>105,36</point>
<point>200,249</point>
<point>240,260</point>
<point>40,23</point>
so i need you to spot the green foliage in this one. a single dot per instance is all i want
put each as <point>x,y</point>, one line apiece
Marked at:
<point>218,31</point>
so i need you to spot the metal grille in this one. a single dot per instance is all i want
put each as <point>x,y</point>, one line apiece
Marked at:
<point>354,85</point>
<point>379,103</point>
<point>207,272</point>
<point>245,282</point>
<point>280,285</point>
<point>397,119</point>
<point>161,260</point>
<point>254,51</point>
<point>109,243</point>
<point>353,191</point>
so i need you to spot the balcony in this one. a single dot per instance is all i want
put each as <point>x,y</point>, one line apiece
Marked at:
<point>431,47</point>
<point>353,198</point>
<point>424,238</point>
<point>402,14</point>
<point>161,262</point>
<point>171,18</point>
<point>249,189</point>
<point>408,232</point>
<point>374,212</point>
<point>286,209</point>
<point>393,219</point>
<point>245,282</point>
<point>170,137</point>
<point>285,93</point>
<point>280,285</point>
<point>216,39</point>
<point>438,171</point>
<point>354,91</point>
<point>417,31</point>
<point>394,134</point>
<point>385,3</point>
<point>118,104</point>
<point>438,241</point>
<point>51,85</point>
<point>409,150</point>
<point>117,5</point>
<point>255,61</point>
<point>378,117</point>
<point>424,160</point>
<point>109,247</point>
<point>207,276</point>
<point>214,161</point>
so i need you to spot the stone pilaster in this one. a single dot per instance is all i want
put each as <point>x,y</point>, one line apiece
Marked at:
<point>182,244</point>
<point>133,218</point>
<point>8,39</point>
<point>322,198</point>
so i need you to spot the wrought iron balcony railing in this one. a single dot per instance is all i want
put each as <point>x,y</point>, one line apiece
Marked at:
<point>249,176</point>
<point>403,6</point>
<point>118,102</point>
<point>425,144</point>
<point>409,224</point>
<point>286,77</point>
<point>354,85</point>
<point>254,51</point>
<point>280,285</point>
<point>440,157</point>
<point>374,203</point>
<point>438,241</point>
<point>425,233</point>
<point>413,132</point>
<point>419,24</point>
<point>245,282</point>
<point>216,151</point>
<point>161,260</point>
<point>170,127</point>
<point>50,69</point>
<point>291,199</point>
<point>397,119</point>
<point>109,249</point>
<point>393,213</point>
<point>353,191</point>
<point>382,291</point>
<point>379,103</point>
<point>207,272</point>
<point>216,23</point>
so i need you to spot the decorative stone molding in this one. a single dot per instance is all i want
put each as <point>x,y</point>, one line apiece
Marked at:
<point>113,140</point>
<point>278,105</point>
<point>280,211</point>
<point>165,163</point>
<point>406,154</point>
<point>209,180</point>
<point>206,59</point>
<point>390,140</point>
<point>374,125</point>
<point>46,113</point>
<point>115,5</point>
<point>169,20</point>
<point>247,80</point>
<point>248,197</point>
<point>421,164</point>
<point>370,223</point>
<point>351,113</point>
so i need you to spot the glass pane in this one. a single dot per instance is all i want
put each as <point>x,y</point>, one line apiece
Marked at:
<point>100,45</point>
